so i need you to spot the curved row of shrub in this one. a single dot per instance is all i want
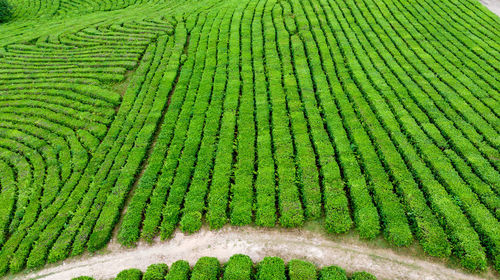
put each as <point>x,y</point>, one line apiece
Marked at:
<point>240,267</point>
<point>337,115</point>
<point>348,113</point>
<point>64,122</point>
<point>25,10</point>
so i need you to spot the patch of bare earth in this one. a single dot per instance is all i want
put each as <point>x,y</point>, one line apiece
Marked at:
<point>344,251</point>
<point>492,5</point>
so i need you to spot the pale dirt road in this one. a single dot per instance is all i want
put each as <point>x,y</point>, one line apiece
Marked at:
<point>321,249</point>
<point>492,5</point>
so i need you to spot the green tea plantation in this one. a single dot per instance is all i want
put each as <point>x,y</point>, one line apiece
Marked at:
<point>129,120</point>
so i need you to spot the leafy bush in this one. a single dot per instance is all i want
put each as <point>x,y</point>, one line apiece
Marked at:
<point>239,267</point>
<point>361,275</point>
<point>301,270</point>
<point>271,268</point>
<point>129,274</point>
<point>332,273</point>
<point>207,268</point>
<point>191,222</point>
<point>179,271</point>
<point>156,272</point>
<point>5,11</point>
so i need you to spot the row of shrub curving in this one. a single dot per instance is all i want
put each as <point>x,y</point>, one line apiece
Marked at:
<point>239,267</point>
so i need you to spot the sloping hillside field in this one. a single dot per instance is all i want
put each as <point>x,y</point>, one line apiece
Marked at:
<point>129,119</point>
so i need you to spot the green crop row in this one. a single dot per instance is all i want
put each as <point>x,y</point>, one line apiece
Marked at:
<point>289,203</point>
<point>416,202</point>
<point>242,191</point>
<point>217,200</point>
<point>194,201</point>
<point>204,124</point>
<point>240,267</point>
<point>328,119</point>
<point>350,113</point>
<point>335,202</point>
<point>111,210</point>
<point>62,242</point>
<point>265,189</point>
<point>39,211</point>
<point>130,229</point>
<point>186,87</point>
<point>488,225</point>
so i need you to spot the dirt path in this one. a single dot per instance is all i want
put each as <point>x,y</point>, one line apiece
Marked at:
<point>346,251</point>
<point>492,5</point>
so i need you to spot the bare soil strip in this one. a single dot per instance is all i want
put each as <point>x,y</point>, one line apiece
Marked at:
<point>492,5</point>
<point>344,251</point>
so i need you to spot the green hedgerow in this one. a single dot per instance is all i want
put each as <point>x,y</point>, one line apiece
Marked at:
<point>156,272</point>
<point>362,275</point>
<point>191,222</point>
<point>129,274</point>
<point>5,11</point>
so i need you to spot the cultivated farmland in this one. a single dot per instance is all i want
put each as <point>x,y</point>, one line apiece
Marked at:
<point>128,120</point>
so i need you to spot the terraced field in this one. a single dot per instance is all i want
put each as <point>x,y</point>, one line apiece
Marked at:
<point>133,118</point>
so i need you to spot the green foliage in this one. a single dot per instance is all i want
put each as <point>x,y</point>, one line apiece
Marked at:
<point>362,275</point>
<point>301,270</point>
<point>156,272</point>
<point>332,273</point>
<point>179,270</point>
<point>271,268</point>
<point>5,11</point>
<point>207,268</point>
<point>239,267</point>
<point>270,113</point>
<point>191,222</point>
<point>129,274</point>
